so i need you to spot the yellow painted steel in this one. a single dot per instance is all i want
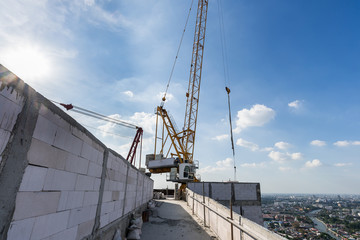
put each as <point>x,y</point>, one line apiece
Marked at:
<point>193,93</point>
<point>183,142</point>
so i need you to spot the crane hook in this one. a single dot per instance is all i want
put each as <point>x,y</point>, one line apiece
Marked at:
<point>227,90</point>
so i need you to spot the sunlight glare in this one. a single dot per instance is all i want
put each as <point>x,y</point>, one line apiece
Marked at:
<point>27,62</point>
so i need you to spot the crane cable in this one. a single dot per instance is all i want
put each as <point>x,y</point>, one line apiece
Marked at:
<point>95,115</point>
<point>101,117</point>
<point>111,133</point>
<point>177,54</point>
<point>226,76</point>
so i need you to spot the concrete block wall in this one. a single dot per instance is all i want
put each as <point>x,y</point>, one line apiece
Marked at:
<point>245,197</point>
<point>11,104</point>
<point>57,181</point>
<point>217,217</point>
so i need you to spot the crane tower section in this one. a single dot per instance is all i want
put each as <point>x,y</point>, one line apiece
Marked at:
<point>193,93</point>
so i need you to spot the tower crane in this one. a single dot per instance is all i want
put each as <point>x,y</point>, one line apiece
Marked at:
<point>180,163</point>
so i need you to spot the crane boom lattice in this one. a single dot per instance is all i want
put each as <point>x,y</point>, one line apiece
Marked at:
<point>193,93</point>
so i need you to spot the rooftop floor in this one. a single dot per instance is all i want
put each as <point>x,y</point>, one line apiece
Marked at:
<point>172,219</point>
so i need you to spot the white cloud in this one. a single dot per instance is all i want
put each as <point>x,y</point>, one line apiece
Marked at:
<point>253,165</point>
<point>252,146</point>
<point>243,143</point>
<point>281,157</point>
<point>267,149</point>
<point>256,116</point>
<point>346,143</point>
<point>144,92</point>
<point>141,119</point>
<point>228,162</point>
<point>313,164</point>
<point>285,169</point>
<point>109,127</point>
<point>89,2</point>
<point>128,93</point>
<point>282,145</point>
<point>220,137</point>
<point>223,165</point>
<point>278,156</point>
<point>342,164</point>
<point>160,95</point>
<point>295,104</point>
<point>342,143</point>
<point>145,120</point>
<point>296,156</point>
<point>318,143</point>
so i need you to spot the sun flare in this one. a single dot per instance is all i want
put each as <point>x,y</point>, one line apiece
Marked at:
<point>27,62</point>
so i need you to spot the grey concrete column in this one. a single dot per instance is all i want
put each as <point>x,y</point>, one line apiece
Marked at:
<point>101,192</point>
<point>126,183</point>
<point>14,157</point>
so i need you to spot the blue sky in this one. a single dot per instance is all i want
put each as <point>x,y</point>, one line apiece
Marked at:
<point>294,76</point>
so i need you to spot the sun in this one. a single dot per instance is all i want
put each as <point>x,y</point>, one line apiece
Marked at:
<point>28,62</point>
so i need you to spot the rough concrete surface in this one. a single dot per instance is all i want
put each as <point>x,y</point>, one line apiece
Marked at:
<point>172,219</point>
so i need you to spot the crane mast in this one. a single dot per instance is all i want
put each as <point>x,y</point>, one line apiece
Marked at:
<point>181,163</point>
<point>192,101</point>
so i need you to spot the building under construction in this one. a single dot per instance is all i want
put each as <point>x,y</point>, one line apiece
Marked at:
<point>58,181</point>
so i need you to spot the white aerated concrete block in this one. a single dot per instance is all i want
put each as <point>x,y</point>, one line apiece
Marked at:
<point>9,93</point>
<point>104,220</point>
<point>50,224</point>
<point>66,141</point>
<point>4,139</point>
<point>85,183</point>
<point>63,201</point>
<point>119,205</point>
<point>8,113</point>
<point>81,215</point>
<point>33,179</point>
<point>74,200</point>
<point>60,180</point>
<point>97,183</point>
<point>43,154</point>
<point>94,170</point>
<point>90,198</point>
<point>221,191</point>
<point>32,204</point>
<point>89,152</point>
<point>45,130</point>
<point>245,191</point>
<point>21,229</point>
<point>107,196</point>
<point>76,164</point>
<point>85,229</point>
<point>107,207</point>
<point>54,118</point>
<point>68,234</point>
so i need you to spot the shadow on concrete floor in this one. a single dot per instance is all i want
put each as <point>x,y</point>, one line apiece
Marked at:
<point>170,220</point>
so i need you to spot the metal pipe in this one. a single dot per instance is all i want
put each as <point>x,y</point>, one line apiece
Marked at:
<point>204,203</point>
<point>231,217</point>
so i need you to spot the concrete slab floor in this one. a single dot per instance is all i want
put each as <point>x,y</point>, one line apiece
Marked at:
<point>172,219</point>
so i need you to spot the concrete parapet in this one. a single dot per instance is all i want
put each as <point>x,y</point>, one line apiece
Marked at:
<point>224,223</point>
<point>57,181</point>
<point>245,197</point>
